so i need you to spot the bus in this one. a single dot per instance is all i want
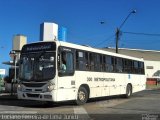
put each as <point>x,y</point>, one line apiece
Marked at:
<point>57,71</point>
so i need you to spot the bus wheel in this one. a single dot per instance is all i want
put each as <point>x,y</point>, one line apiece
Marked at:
<point>128,91</point>
<point>82,96</point>
<point>49,103</point>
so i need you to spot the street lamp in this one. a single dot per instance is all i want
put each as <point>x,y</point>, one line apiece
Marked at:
<point>13,55</point>
<point>118,29</point>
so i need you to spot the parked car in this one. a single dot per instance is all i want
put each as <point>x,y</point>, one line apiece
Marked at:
<point>157,76</point>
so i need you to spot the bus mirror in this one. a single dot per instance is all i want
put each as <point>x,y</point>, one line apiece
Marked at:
<point>51,59</point>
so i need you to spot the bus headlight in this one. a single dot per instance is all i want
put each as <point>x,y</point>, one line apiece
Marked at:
<point>51,87</point>
<point>20,87</point>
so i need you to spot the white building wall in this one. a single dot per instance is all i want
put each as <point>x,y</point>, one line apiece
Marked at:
<point>49,31</point>
<point>151,67</point>
<point>18,42</point>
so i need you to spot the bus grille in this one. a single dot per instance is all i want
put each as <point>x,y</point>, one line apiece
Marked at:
<point>32,95</point>
<point>34,84</point>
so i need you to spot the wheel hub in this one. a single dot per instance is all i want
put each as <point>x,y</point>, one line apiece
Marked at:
<point>81,95</point>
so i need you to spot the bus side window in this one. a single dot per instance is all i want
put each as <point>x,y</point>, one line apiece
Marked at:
<point>141,67</point>
<point>101,63</point>
<point>109,64</point>
<point>135,67</point>
<point>80,60</point>
<point>91,61</point>
<point>86,61</point>
<point>69,62</point>
<point>118,65</point>
<point>128,66</point>
<point>104,63</point>
<point>98,62</point>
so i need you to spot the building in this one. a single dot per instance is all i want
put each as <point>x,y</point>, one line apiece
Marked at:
<point>17,44</point>
<point>151,58</point>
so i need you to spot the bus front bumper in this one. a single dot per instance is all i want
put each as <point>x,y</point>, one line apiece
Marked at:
<point>45,96</point>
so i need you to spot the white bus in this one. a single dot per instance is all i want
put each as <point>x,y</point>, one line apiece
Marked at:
<point>60,71</point>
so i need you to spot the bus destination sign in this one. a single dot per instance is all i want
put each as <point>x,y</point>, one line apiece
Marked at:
<point>37,47</point>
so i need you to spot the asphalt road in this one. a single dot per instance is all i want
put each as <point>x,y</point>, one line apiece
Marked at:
<point>145,104</point>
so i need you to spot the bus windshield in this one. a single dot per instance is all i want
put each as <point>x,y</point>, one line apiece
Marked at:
<point>37,66</point>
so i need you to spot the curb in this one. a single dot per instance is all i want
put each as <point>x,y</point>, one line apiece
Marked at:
<point>153,89</point>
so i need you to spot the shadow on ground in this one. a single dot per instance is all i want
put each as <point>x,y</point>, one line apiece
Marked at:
<point>13,101</point>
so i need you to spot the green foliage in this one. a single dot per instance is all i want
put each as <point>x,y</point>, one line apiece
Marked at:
<point>0,78</point>
<point>1,83</point>
<point>153,86</point>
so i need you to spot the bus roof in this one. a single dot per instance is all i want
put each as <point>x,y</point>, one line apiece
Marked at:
<point>91,49</point>
<point>88,48</point>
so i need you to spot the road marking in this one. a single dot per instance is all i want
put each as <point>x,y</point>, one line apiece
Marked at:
<point>80,110</point>
<point>82,113</point>
<point>18,112</point>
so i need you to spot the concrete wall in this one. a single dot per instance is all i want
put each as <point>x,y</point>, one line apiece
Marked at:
<point>151,67</point>
<point>18,42</point>
<point>48,31</point>
<point>146,55</point>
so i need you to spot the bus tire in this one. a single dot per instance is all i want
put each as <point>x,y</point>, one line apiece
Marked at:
<point>128,91</point>
<point>82,96</point>
<point>49,103</point>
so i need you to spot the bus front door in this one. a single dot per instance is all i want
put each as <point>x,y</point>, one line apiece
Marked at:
<point>66,77</point>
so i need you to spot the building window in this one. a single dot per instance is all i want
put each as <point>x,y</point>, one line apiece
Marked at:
<point>149,67</point>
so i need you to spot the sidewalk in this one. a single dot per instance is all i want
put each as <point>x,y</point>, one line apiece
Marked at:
<point>8,96</point>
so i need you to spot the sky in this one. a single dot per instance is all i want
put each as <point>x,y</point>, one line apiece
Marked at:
<point>82,18</point>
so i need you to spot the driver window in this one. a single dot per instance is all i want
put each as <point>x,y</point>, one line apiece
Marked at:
<point>63,66</point>
<point>66,63</point>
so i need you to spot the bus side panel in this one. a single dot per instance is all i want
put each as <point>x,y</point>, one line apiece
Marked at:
<point>92,79</point>
<point>66,94</point>
<point>66,88</point>
<point>137,82</point>
<point>115,83</point>
<point>102,84</point>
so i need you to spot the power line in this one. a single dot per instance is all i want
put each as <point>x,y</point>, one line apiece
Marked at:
<point>148,34</point>
<point>140,40</point>
<point>110,37</point>
<point>90,40</point>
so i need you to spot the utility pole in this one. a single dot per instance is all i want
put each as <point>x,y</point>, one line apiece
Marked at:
<point>13,55</point>
<point>117,39</point>
<point>118,29</point>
